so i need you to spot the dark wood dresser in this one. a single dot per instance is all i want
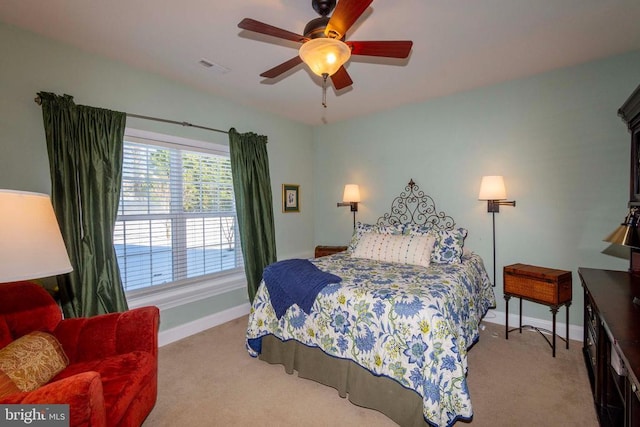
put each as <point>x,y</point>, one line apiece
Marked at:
<point>612,344</point>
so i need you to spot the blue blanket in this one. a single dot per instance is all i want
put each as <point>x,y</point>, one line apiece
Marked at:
<point>295,281</point>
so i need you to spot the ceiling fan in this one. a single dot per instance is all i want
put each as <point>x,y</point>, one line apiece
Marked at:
<point>323,46</point>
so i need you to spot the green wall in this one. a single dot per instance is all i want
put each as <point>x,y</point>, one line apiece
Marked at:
<point>30,64</point>
<point>555,137</point>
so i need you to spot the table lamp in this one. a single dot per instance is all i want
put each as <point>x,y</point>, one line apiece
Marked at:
<point>628,234</point>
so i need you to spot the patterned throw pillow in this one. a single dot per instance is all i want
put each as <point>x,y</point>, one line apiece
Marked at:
<point>403,249</point>
<point>32,360</point>
<point>449,244</point>
<point>418,229</point>
<point>372,228</point>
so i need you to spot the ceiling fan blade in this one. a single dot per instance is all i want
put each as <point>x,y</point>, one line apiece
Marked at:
<point>341,79</point>
<point>262,28</point>
<point>282,68</point>
<point>344,15</point>
<point>386,48</point>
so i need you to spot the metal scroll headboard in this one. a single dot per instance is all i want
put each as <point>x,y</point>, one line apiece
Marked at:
<point>412,206</point>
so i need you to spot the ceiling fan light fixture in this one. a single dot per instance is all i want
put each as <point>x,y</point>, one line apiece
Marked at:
<point>325,55</point>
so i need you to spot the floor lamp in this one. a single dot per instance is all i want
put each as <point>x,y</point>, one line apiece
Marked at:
<point>492,190</point>
<point>31,245</point>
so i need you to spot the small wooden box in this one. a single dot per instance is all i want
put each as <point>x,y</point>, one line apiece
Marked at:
<point>328,250</point>
<point>539,284</point>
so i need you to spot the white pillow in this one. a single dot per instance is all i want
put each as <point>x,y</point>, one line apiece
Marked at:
<point>404,249</point>
<point>362,228</point>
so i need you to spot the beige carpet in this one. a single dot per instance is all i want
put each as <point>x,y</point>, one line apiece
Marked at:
<point>210,380</point>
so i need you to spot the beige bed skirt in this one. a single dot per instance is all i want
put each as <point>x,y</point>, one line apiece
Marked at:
<point>364,389</point>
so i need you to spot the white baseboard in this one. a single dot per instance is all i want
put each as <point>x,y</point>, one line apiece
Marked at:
<point>498,317</point>
<point>199,325</point>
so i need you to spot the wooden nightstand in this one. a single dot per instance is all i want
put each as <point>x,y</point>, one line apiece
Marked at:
<point>328,250</point>
<point>541,285</point>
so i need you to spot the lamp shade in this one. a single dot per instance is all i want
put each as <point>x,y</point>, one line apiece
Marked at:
<point>619,235</point>
<point>31,245</point>
<point>351,193</point>
<point>324,55</point>
<point>492,188</point>
<point>627,233</point>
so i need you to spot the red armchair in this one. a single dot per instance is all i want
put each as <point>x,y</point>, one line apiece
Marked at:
<point>111,379</point>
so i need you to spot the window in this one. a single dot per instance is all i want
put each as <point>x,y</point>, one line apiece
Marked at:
<point>176,220</point>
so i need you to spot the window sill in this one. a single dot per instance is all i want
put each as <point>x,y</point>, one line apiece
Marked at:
<point>180,295</point>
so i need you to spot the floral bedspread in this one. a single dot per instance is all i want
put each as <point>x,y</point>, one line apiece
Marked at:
<point>409,323</point>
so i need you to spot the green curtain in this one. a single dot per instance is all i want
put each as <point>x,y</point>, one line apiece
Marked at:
<point>85,161</point>
<point>254,204</point>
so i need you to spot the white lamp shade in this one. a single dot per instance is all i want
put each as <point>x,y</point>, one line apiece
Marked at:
<point>31,245</point>
<point>492,188</point>
<point>324,55</point>
<point>351,193</point>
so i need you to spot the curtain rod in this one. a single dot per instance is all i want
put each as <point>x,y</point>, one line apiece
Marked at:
<point>186,124</point>
<point>38,101</point>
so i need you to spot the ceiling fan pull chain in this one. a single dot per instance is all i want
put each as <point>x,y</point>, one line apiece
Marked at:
<point>324,89</point>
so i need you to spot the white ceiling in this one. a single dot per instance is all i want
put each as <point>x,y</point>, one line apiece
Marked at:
<point>458,45</point>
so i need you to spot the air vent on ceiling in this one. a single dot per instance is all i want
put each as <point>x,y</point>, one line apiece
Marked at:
<point>213,66</point>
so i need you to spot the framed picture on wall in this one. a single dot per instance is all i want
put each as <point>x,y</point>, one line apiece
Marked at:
<point>290,198</point>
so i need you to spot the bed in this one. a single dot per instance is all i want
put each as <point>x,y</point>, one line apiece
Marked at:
<point>391,336</point>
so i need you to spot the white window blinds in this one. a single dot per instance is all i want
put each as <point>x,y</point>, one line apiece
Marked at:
<point>176,219</point>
